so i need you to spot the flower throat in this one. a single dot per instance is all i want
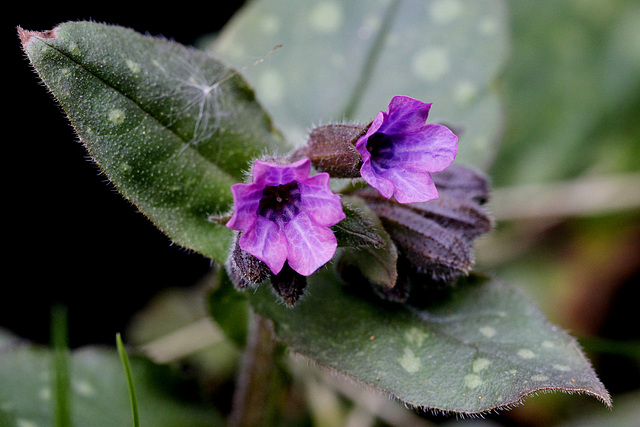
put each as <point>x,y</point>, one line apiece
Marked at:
<point>280,203</point>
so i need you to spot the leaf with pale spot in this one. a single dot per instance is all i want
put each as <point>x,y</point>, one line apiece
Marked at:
<point>172,127</point>
<point>346,60</point>
<point>478,346</point>
<point>98,390</point>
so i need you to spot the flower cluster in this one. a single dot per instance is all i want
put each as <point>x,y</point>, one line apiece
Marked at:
<point>285,216</point>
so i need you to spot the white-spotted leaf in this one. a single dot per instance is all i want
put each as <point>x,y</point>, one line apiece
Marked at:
<point>347,59</point>
<point>172,127</point>
<point>482,346</point>
<point>98,393</point>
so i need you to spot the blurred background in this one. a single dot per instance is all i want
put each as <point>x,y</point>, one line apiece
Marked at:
<point>566,177</point>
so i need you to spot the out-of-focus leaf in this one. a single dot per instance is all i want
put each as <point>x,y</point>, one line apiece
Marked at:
<point>172,127</point>
<point>347,59</point>
<point>480,347</point>
<point>572,91</point>
<point>98,389</point>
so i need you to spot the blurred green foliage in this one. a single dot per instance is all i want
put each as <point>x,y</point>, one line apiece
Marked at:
<point>571,90</point>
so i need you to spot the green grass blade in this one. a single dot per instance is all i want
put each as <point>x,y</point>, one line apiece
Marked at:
<point>132,390</point>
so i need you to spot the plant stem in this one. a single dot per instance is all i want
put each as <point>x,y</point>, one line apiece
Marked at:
<point>370,61</point>
<point>254,380</point>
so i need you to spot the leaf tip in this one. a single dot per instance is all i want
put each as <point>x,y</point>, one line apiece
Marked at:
<point>26,35</point>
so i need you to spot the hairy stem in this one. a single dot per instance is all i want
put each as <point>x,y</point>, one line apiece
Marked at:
<point>254,380</point>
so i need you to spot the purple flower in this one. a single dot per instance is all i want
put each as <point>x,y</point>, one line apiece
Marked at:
<point>285,215</point>
<point>400,150</point>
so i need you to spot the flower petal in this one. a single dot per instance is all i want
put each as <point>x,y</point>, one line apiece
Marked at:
<point>411,186</point>
<point>404,149</point>
<point>361,144</point>
<point>321,204</point>
<point>432,149</point>
<point>377,181</point>
<point>246,199</point>
<point>267,242</point>
<point>406,115</point>
<point>310,245</point>
<point>265,173</point>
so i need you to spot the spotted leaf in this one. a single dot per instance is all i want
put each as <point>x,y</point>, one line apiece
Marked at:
<point>478,346</point>
<point>172,127</point>
<point>346,59</point>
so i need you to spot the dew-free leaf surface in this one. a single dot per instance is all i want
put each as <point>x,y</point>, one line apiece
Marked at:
<point>172,127</point>
<point>346,60</point>
<point>481,347</point>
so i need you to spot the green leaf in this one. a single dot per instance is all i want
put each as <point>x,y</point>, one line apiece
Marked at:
<point>124,358</point>
<point>98,395</point>
<point>377,260</point>
<point>172,127</point>
<point>572,87</point>
<point>480,347</point>
<point>361,227</point>
<point>346,60</point>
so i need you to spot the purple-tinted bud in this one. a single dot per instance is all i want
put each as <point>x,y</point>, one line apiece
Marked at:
<point>244,269</point>
<point>289,285</point>
<point>435,238</point>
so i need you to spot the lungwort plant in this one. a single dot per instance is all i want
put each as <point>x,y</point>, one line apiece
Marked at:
<point>339,202</point>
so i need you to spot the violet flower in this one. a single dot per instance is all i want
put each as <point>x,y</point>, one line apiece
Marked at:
<point>400,150</point>
<point>285,215</point>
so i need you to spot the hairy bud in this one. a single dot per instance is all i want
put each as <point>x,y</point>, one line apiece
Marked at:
<point>331,149</point>
<point>435,237</point>
<point>244,269</point>
<point>289,285</point>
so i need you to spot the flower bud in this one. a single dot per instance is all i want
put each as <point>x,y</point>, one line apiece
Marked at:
<point>244,269</point>
<point>435,237</point>
<point>289,285</point>
<point>331,149</point>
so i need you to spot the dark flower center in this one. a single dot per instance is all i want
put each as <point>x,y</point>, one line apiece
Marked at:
<point>381,148</point>
<point>280,203</point>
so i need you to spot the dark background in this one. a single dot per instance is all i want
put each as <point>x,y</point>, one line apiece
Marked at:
<point>70,238</point>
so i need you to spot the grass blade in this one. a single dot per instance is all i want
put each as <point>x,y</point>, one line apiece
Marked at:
<point>132,391</point>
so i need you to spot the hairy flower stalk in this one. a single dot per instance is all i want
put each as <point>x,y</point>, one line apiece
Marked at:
<point>284,216</point>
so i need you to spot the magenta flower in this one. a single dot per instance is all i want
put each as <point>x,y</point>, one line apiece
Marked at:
<point>285,215</point>
<point>400,150</point>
